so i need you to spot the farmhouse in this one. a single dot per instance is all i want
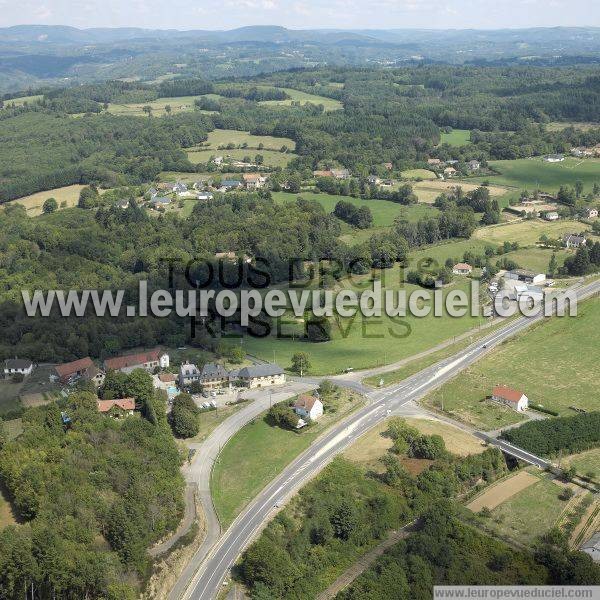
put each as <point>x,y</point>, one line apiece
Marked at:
<point>434,162</point>
<point>373,180</point>
<point>17,366</point>
<point>340,173</point>
<point>253,181</point>
<point>388,165</point>
<point>462,269</point>
<point>591,213</point>
<point>259,375</point>
<point>204,196</point>
<point>70,372</point>
<point>230,184</point>
<point>179,188</point>
<point>148,361</point>
<point>526,276</point>
<point>554,158</point>
<point>474,165</point>
<point>450,171</point>
<point>573,240</point>
<point>160,201</point>
<point>217,160</point>
<point>513,398</point>
<point>117,408</point>
<point>308,407</point>
<point>551,216</point>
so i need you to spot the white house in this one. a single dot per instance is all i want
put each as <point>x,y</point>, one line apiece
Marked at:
<point>513,398</point>
<point>14,366</point>
<point>554,158</point>
<point>462,269</point>
<point>574,241</point>
<point>591,213</point>
<point>308,407</point>
<point>551,216</point>
<point>474,165</point>
<point>148,361</point>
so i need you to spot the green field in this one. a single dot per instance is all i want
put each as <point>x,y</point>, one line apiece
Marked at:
<point>68,194</point>
<point>418,174</point>
<point>222,137</point>
<point>529,513</point>
<point>272,158</point>
<point>527,233</point>
<point>586,462</point>
<point>304,98</point>
<point>22,100</point>
<point>537,259</point>
<point>384,212</point>
<point>361,343</point>
<point>258,452</point>
<point>457,137</point>
<point>550,363</point>
<point>178,104</point>
<point>559,126</point>
<point>534,173</point>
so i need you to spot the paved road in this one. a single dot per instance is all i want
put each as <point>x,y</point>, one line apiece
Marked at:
<point>197,475</point>
<point>207,580</point>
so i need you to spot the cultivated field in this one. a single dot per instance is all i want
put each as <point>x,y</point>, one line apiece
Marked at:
<point>304,98</point>
<point>500,492</point>
<point>428,191</point>
<point>68,194</point>
<point>550,372</point>
<point>534,173</point>
<point>527,233</point>
<point>457,137</point>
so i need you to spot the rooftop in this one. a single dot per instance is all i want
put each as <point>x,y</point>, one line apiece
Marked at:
<point>506,393</point>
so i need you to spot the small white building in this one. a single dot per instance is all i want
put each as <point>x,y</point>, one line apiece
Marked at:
<point>551,216</point>
<point>554,158</point>
<point>17,366</point>
<point>462,269</point>
<point>515,399</point>
<point>591,213</point>
<point>526,276</point>
<point>308,407</point>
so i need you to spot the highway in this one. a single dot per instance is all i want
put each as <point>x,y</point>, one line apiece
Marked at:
<point>209,576</point>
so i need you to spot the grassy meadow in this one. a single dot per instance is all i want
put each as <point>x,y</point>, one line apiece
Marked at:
<point>527,233</point>
<point>271,158</point>
<point>33,203</point>
<point>428,191</point>
<point>550,363</point>
<point>304,98</point>
<point>418,174</point>
<point>457,137</point>
<point>177,104</point>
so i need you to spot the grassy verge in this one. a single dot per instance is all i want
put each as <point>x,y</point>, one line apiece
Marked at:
<point>259,452</point>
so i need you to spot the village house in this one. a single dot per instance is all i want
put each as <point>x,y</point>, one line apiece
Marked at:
<point>551,216</point>
<point>230,184</point>
<point>258,375</point>
<point>254,181</point>
<point>217,160</point>
<point>462,269</point>
<point>148,361</point>
<point>450,172</point>
<point>573,240</point>
<point>434,162</point>
<point>160,201</point>
<point>510,397</point>
<point>153,192</point>
<point>17,366</point>
<point>120,407</point>
<point>340,173</point>
<point>582,152</point>
<point>591,213</point>
<point>388,165</point>
<point>179,188</point>
<point>525,276</point>
<point>373,180</point>
<point>308,407</point>
<point>188,373</point>
<point>474,165</point>
<point>232,257</point>
<point>204,196</point>
<point>72,371</point>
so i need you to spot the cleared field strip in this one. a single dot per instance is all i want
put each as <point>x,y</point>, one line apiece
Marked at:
<point>502,491</point>
<point>428,191</point>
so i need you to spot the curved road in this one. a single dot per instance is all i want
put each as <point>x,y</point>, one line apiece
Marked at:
<point>207,580</point>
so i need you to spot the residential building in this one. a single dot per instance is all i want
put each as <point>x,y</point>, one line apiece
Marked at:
<point>218,160</point>
<point>515,399</point>
<point>254,181</point>
<point>434,162</point>
<point>591,213</point>
<point>551,216</point>
<point>17,366</point>
<point>232,257</point>
<point>450,172</point>
<point>308,407</point>
<point>204,196</point>
<point>474,165</point>
<point>231,184</point>
<point>152,192</point>
<point>214,375</point>
<point>388,165</point>
<point>148,361</point>
<point>462,269</point>
<point>95,375</point>
<point>373,180</point>
<point>120,407</point>
<point>72,371</point>
<point>340,173</point>
<point>160,201</point>
<point>259,375</point>
<point>179,188</point>
<point>526,276</point>
<point>573,240</point>
<point>188,373</point>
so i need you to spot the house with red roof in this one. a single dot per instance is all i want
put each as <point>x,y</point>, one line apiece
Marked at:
<point>462,269</point>
<point>510,397</point>
<point>117,408</point>
<point>70,372</point>
<point>308,407</point>
<point>149,360</point>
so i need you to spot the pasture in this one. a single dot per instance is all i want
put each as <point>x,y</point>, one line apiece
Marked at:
<point>178,104</point>
<point>271,158</point>
<point>527,233</point>
<point>418,174</point>
<point>501,491</point>
<point>222,137</point>
<point>535,173</point>
<point>68,195</point>
<point>586,463</point>
<point>457,137</point>
<point>555,376</point>
<point>428,191</point>
<point>303,98</point>
<point>22,100</point>
<point>560,126</point>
